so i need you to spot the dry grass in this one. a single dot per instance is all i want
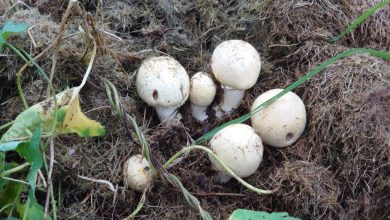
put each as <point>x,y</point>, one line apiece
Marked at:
<point>337,170</point>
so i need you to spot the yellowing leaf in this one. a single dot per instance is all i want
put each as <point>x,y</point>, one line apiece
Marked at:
<point>76,122</point>
<point>68,118</point>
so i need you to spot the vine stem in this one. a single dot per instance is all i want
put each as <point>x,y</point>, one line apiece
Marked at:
<point>15,169</point>
<point>4,126</point>
<point>221,162</point>
<point>139,206</point>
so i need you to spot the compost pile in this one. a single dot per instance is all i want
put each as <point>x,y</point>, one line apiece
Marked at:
<point>338,169</point>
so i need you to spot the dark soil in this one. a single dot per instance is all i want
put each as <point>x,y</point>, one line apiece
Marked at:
<point>338,169</point>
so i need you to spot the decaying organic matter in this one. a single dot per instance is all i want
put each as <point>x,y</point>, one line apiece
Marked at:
<point>338,169</point>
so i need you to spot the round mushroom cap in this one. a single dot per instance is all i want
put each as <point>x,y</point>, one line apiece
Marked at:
<point>136,172</point>
<point>240,147</point>
<point>236,64</point>
<point>163,81</point>
<point>202,89</point>
<point>281,123</point>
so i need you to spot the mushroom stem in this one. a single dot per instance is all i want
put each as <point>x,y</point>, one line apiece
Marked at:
<point>167,115</point>
<point>223,178</point>
<point>199,112</point>
<point>231,100</point>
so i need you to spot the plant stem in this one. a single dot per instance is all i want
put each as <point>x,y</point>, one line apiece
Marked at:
<point>361,19</point>
<point>140,204</point>
<point>16,51</point>
<point>19,84</point>
<point>5,207</point>
<point>221,162</point>
<point>15,169</point>
<point>4,126</point>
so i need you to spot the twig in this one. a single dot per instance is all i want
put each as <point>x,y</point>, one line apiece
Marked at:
<point>213,193</point>
<point>14,5</point>
<point>42,178</point>
<point>110,34</point>
<point>58,41</point>
<point>50,193</point>
<point>108,183</point>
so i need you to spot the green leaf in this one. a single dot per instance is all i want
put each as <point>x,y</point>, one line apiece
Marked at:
<point>9,194</point>
<point>32,210</point>
<point>7,147</point>
<point>3,167</point>
<point>67,118</point>
<point>243,214</point>
<point>9,28</point>
<point>12,145</point>
<point>31,152</point>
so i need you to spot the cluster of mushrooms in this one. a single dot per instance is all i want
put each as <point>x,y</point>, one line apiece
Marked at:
<point>163,83</point>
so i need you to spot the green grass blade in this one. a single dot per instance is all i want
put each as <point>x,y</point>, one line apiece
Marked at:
<point>372,52</point>
<point>361,19</point>
<point>191,200</point>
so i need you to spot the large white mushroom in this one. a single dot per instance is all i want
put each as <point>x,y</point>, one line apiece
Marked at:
<point>137,173</point>
<point>240,147</point>
<point>162,82</point>
<point>281,123</point>
<point>202,93</point>
<point>236,65</point>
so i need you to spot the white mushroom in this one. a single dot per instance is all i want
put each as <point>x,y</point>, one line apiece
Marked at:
<point>281,123</point>
<point>162,82</point>
<point>236,65</point>
<point>202,93</point>
<point>137,173</point>
<point>240,147</point>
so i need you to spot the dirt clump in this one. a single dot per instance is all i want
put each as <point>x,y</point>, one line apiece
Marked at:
<point>338,169</point>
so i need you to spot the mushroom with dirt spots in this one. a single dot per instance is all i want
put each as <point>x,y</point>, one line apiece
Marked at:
<point>137,173</point>
<point>202,93</point>
<point>162,82</point>
<point>239,147</point>
<point>281,123</point>
<point>236,65</point>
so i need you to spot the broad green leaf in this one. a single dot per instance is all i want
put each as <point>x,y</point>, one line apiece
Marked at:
<point>3,167</point>
<point>243,214</point>
<point>7,147</point>
<point>68,118</point>
<point>9,28</point>
<point>31,152</point>
<point>9,194</point>
<point>10,145</point>
<point>32,210</point>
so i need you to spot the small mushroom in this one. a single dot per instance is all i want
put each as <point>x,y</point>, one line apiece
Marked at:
<point>162,82</point>
<point>240,147</point>
<point>202,93</point>
<point>281,123</point>
<point>236,65</point>
<point>137,173</point>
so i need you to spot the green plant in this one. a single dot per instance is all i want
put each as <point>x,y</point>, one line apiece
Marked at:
<point>57,115</point>
<point>244,214</point>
